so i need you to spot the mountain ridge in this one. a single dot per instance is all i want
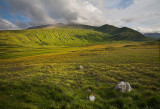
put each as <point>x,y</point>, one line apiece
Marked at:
<point>68,35</point>
<point>123,33</point>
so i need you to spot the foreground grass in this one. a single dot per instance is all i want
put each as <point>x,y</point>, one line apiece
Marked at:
<point>53,81</point>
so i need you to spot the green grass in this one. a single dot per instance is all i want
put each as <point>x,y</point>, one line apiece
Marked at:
<point>52,80</point>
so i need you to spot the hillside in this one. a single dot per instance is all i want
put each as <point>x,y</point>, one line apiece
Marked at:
<point>127,34</point>
<point>123,33</point>
<point>41,41</point>
<point>38,37</point>
<point>61,38</point>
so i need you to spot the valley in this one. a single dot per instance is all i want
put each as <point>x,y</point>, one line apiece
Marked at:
<point>39,69</point>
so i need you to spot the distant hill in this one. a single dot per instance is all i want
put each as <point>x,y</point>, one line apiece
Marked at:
<point>125,33</point>
<point>116,33</point>
<point>153,35</point>
<point>50,37</point>
<point>67,35</point>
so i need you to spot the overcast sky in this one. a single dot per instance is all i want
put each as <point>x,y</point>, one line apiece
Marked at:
<point>141,15</point>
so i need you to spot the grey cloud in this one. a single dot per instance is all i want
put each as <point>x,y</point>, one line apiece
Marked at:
<point>21,24</point>
<point>42,12</point>
<point>128,20</point>
<point>153,29</point>
<point>33,9</point>
<point>140,14</point>
<point>157,13</point>
<point>74,10</point>
<point>6,25</point>
<point>60,9</point>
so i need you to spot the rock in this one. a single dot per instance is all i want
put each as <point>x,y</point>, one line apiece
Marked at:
<point>123,87</point>
<point>88,90</point>
<point>128,88</point>
<point>80,67</point>
<point>92,97</point>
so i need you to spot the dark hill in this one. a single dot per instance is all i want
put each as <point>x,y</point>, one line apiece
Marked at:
<point>125,33</point>
<point>107,28</point>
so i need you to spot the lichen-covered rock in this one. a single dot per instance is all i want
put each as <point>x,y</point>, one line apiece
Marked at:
<point>80,67</point>
<point>128,88</point>
<point>92,97</point>
<point>123,87</point>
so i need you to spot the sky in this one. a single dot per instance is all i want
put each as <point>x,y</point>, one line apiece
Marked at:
<point>141,15</point>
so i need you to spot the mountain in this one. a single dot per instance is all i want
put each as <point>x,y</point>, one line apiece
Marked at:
<point>153,35</point>
<point>61,36</point>
<point>116,33</point>
<point>106,28</point>
<point>125,33</point>
<point>50,37</point>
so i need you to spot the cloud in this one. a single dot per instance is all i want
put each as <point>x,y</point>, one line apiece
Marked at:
<point>127,20</point>
<point>87,13</point>
<point>6,25</point>
<point>21,24</point>
<point>132,13</point>
<point>42,12</point>
<point>142,13</point>
<point>78,11</point>
<point>154,29</point>
<point>33,9</point>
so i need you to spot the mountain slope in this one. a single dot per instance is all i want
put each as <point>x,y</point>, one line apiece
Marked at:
<point>38,37</point>
<point>67,35</point>
<point>106,28</point>
<point>123,33</point>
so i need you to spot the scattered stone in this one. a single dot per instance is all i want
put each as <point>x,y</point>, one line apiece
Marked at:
<point>92,97</point>
<point>123,87</point>
<point>80,67</point>
<point>89,91</point>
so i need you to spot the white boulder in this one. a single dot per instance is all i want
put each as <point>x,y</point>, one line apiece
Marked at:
<point>123,87</point>
<point>92,97</point>
<point>80,67</point>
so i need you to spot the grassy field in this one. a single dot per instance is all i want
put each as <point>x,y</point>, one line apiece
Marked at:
<point>48,76</point>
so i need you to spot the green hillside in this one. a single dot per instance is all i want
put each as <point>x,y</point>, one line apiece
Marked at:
<point>36,37</point>
<point>123,33</point>
<point>127,34</point>
<point>107,29</point>
<point>41,41</point>
<point>56,38</point>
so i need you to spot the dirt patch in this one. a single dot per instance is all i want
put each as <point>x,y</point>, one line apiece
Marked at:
<point>110,48</point>
<point>129,45</point>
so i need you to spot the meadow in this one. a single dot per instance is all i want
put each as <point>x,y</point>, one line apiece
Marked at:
<point>42,74</point>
